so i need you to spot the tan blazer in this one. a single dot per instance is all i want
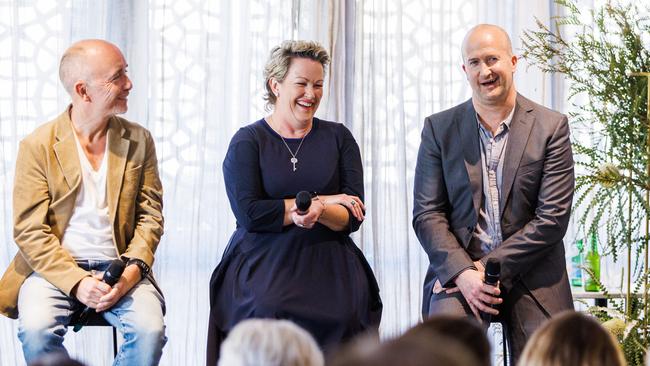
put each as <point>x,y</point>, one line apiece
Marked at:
<point>47,180</point>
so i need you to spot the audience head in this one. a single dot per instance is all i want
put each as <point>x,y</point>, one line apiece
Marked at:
<point>280,59</point>
<point>465,330</point>
<point>269,342</point>
<point>412,349</point>
<point>572,338</point>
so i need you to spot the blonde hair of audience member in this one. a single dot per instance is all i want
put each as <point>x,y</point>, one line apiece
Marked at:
<point>269,342</point>
<point>280,59</point>
<point>574,339</point>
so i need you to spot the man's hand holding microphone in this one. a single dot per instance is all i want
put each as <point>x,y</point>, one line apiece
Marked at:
<point>480,288</point>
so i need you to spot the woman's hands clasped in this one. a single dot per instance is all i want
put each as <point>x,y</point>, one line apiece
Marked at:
<point>308,219</point>
<point>320,205</point>
<point>353,203</point>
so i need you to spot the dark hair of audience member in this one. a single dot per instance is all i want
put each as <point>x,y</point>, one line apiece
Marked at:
<point>466,331</point>
<point>432,350</point>
<point>572,338</point>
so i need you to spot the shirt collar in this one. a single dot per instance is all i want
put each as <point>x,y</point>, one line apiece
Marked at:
<point>503,126</point>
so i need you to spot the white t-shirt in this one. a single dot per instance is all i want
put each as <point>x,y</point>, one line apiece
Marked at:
<point>89,234</point>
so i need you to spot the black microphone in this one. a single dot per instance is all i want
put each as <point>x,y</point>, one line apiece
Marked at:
<point>303,202</point>
<point>492,275</point>
<point>111,276</point>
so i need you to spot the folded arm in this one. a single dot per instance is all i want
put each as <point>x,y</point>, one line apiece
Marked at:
<point>241,171</point>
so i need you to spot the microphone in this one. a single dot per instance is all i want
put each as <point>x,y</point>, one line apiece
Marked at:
<point>492,275</point>
<point>303,202</point>
<point>111,276</point>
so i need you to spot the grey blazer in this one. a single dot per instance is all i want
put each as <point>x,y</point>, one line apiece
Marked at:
<point>537,191</point>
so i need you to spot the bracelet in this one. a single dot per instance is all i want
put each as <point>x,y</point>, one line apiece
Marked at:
<point>316,198</point>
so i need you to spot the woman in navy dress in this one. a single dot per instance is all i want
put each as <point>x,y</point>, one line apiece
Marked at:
<point>280,262</point>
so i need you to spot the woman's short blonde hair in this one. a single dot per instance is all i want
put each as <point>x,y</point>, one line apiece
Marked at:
<point>269,342</point>
<point>572,338</point>
<point>280,58</point>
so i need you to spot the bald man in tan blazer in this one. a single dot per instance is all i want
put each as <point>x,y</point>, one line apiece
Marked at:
<point>46,285</point>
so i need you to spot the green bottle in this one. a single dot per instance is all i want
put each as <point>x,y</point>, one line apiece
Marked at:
<point>592,262</point>
<point>576,264</point>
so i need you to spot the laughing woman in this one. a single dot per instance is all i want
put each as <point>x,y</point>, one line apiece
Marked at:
<point>280,262</point>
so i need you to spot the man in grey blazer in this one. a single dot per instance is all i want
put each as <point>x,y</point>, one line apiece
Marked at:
<point>494,179</point>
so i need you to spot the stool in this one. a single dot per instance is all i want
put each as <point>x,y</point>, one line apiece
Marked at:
<point>96,320</point>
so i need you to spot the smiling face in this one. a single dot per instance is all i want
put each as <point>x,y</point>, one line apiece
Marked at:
<point>108,86</point>
<point>94,73</point>
<point>489,65</point>
<point>299,94</point>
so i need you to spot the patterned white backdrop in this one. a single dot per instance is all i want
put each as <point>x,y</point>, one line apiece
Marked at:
<point>197,67</point>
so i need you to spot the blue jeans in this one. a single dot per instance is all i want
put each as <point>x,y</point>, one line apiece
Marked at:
<point>45,312</point>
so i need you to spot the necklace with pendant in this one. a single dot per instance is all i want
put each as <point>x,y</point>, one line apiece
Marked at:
<point>294,159</point>
<point>294,156</point>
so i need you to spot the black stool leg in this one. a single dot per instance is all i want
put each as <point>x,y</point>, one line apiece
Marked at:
<point>505,350</point>
<point>506,346</point>
<point>114,342</point>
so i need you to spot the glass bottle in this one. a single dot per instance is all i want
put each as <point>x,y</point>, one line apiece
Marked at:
<point>577,260</point>
<point>592,264</point>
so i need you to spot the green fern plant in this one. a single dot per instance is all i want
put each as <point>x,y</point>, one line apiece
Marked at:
<point>610,109</point>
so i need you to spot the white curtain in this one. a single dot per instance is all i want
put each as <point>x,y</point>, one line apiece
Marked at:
<point>408,66</point>
<point>197,73</point>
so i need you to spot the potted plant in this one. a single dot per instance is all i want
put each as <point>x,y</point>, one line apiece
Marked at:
<point>604,55</point>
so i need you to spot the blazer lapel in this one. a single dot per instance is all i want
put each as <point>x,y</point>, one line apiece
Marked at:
<point>522,124</point>
<point>468,130</point>
<point>65,150</point>
<point>118,148</point>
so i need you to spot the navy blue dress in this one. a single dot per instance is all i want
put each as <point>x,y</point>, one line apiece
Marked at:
<point>317,277</point>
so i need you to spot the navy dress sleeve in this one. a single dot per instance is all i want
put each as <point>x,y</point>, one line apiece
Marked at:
<point>351,171</point>
<point>253,209</point>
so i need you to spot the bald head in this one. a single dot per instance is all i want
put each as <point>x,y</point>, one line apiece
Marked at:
<point>486,33</point>
<point>489,64</point>
<point>78,62</point>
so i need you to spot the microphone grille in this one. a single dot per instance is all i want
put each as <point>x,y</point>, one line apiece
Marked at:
<point>493,266</point>
<point>114,272</point>
<point>303,200</point>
